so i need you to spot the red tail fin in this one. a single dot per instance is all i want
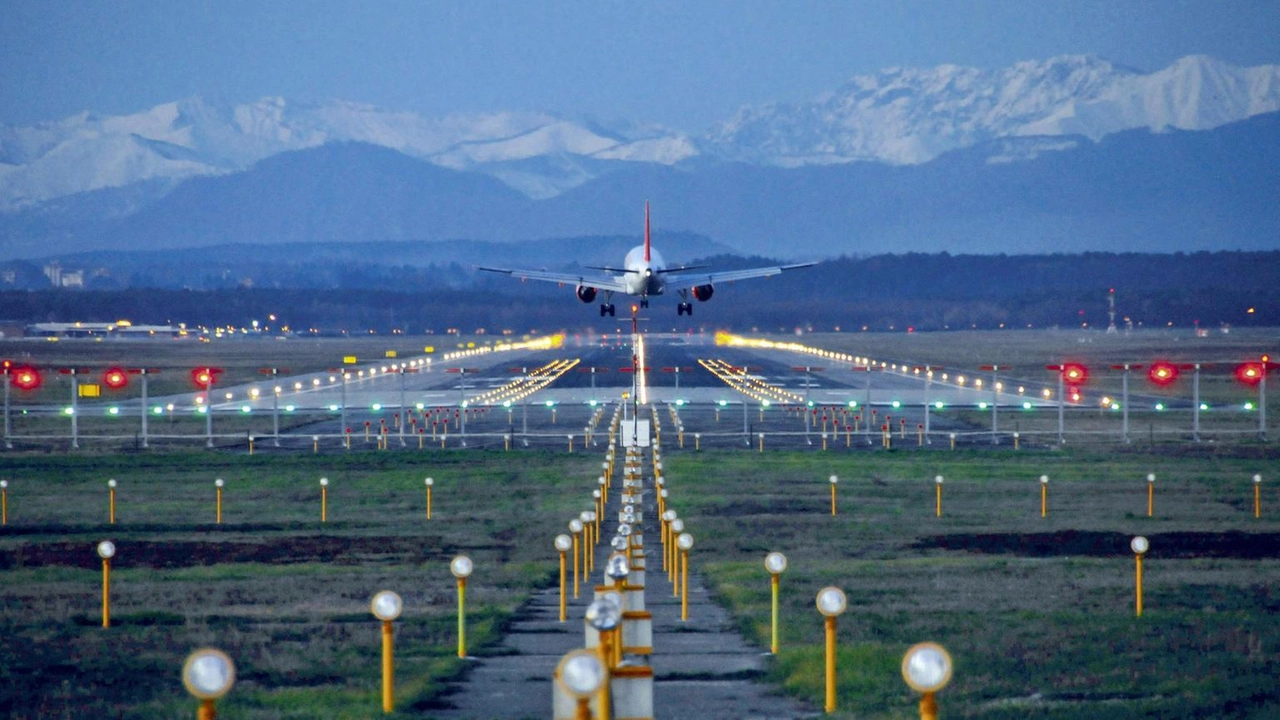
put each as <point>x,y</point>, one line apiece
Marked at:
<point>646,231</point>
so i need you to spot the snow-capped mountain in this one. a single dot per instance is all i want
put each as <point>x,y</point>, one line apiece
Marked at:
<point>192,137</point>
<point>907,116</point>
<point>900,116</point>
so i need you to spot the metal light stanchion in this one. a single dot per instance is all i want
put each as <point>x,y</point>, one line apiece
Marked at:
<point>673,530</point>
<point>429,482</point>
<point>1139,546</point>
<point>685,542</point>
<point>563,543</point>
<point>1151,493</point>
<point>461,567</point>
<point>324,499</point>
<point>111,502</point>
<point>4,502</point>
<point>208,674</point>
<point>575,527</point>
<point>106,551</point>
<point>1257,496</point>
<point>937,480</point>
<point>218,515</point>
<point>1044,495</point>
<point>927,669</point>
<point>831,603</point>
<point>588,541</point>
<point>775,563</point>
<point>386,606</point>
<point>834,480</point>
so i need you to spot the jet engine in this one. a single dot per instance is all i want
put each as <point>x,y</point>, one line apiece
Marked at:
<point>703,292</point>
<point>586,293</point>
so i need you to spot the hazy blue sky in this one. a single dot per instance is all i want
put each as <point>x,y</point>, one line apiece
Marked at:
<point>684,63</point>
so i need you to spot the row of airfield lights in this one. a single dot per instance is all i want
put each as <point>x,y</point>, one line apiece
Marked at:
<point>1160,373</point>
<point>600,498</point>
<point>28,377</point>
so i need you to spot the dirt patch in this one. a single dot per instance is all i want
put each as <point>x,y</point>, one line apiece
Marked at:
<point>276,551</point>
<point>1245,546</point>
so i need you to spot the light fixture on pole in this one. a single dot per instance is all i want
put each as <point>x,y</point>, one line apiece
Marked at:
<point>386,606</point>
<point>776,564</point>
<point>685,542</point>
<point>461,567</point>
<point>927,669</point>
<point>831,603</point>
<point>106,551</point>
<point>208,674</point>
<point>563,543</point>
<point>1139,545</point>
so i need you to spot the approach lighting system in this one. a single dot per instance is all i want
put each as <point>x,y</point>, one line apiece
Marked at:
<point>26,377</point>
<point>1162,373</point>
<point>203,377</point>
<point>115,378</point>
<point>1075,373</point>
<point>1250,373</point>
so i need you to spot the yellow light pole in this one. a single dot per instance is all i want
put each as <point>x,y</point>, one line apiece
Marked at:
<point>834,480</point>
<point>605,616</point>
<point>674,528</point>
<point>575,527</point>
<point>775,563</point>
<point>386,606</point>
<point>4,502</point>
<point>461,568</point>
<point>1139,545</point>
<point>685,542</point>
<point>1151,493</point>
<point>581,674</point>
<point>218,515</point>
<point>429,482</point>
<point>563,543</point>
<point>927,669</point>
<point>208,674</point>
<point>595,498</point>
<point>1257,496</point>
<point>324,499</point>
<point>1044,495</point>
<point>111,502</point>
<point>588,541</point>
<point>831,603</point>
<point>937,480</point>
<point>106,551</point>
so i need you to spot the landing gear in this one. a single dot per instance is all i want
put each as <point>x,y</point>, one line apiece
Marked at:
<point>607,309</point>
<point>644,302</point>
<point>684,308</point>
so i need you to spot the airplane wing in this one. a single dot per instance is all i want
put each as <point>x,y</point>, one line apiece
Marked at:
<point>682,281</point>
<point>600,282</point>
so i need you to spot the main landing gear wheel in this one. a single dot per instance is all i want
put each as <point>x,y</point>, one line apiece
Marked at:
<point>684,308</point>
<point>644,302</point>
<point>607,309</point>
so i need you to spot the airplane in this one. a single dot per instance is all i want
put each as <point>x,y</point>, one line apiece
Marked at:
<point>645,273</point>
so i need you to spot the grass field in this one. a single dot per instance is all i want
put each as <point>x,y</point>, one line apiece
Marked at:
<point>1038,612</point>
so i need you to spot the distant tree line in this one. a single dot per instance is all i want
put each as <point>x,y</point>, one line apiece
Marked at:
<point>880,293</point>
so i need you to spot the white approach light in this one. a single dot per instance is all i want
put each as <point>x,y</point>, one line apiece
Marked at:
<point>618,568</point>
<point>111,483</point>
<point>324,482</point>
<point>938,479</point>
<point>606,612</point>
<point>563,543</point>
<point>386,605</point>
<point>429,482</point>
<point>208,674</point>
<point>831,601</point>
<point>581,673</point>
<point>834,479</point>
<point>684,541</point>
<point>106,549</point>
<point>218,483</point>
<point>775,563</point>
<point>926,667</point>
<point>1139,545</point>
<point>461,566</point>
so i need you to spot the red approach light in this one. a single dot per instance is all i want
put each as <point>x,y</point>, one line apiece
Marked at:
<point>1162,373</point>
<point>203,376</point>
<point>1250,373</point>
<point>1075,373</point>
<point>115,378</point>
<point>26,377</point>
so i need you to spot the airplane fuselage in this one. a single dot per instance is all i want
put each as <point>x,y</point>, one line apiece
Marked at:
<point>643,277</point>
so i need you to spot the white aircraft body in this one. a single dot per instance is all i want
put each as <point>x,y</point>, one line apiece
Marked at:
<point>644,273</point>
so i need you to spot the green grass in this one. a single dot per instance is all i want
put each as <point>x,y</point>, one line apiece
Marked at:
<point>1051,635</point>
